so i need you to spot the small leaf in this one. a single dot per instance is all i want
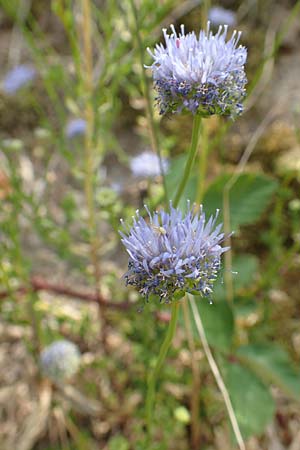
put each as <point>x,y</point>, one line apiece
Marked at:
<point>248,198</point>
<point>273,365</point>
<point>252,402</point>
<point>218,323</point>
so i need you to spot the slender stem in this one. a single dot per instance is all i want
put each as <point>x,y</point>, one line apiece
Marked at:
<point>190,160</point>
<point>204,150</point>
<point>195,388</point>
<point>204,13</point>
<point>217,374</point>
<point>87,75</point>
<point>150,115</point>
<point>276,46</point>
<point>150,399</point>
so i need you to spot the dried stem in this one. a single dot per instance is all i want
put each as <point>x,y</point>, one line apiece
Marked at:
<point>195,389</point>
<point>87,77</point>
<point>218,377</point>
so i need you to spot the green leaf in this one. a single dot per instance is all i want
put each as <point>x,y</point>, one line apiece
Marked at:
<point>218,323</point>
<point>251,399</point>
<point>273,365</point>
<point>246,267</point>
<point>249,197</point>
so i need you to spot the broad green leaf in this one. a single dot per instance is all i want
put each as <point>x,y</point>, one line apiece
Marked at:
<point>251,399</point>
<point>244,267</point>
<point>218,323</point>
<point>273,365</point>
<point>248,198</point>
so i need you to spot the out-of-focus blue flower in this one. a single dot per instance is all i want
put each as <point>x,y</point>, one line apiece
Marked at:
<point>18,77</point>
<point>146,165</point>
<point>204,75</point>
<point>218,16</point>
<point>173,253</point>
<point>60,360</point>
<point>75,127</point>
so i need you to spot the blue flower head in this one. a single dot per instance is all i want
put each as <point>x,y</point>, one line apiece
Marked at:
<point>18,77</point>
<point>173,253</point>
<point>147,165</point>
<point>60,360</point>
<point>75,127</point>
<point>218,15</point>
<point>203,75</point>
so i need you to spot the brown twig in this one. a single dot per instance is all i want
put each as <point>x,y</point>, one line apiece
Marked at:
<point>40,284</point>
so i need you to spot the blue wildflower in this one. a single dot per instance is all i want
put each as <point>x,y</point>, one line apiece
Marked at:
<point>60,360</point>
<point>173,253</point>
<point>75,127</point>
<point>203,75</point>
<point>218,15</point>
<point>147,165</point>
<point>18,77</point>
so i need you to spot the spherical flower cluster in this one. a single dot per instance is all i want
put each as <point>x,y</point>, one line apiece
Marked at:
<point>203,75</point>
<point>173,253</point>
<point>146,165</point>
<point>218,15</point>
<point>60,360</point>
<point>17,78</point>
<point>75,127</point>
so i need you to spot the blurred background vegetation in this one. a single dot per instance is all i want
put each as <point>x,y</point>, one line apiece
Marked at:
<point>68,134</point>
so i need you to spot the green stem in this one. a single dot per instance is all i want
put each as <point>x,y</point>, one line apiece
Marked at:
<point>159,363</point>
<point>202,165</point>
<point>190,160</point>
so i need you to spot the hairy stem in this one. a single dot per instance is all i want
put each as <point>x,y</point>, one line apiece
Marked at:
<point>217,374</point>
<point>190,160</point>
<point>152,379</point>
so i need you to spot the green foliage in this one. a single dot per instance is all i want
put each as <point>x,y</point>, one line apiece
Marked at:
<point>249,197</point>
<point>252,402</point>
<point>218,322</point>
<point>245,269</point>
<point>44,232</point>
<point>273,365</point>
<point>118,442</point>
